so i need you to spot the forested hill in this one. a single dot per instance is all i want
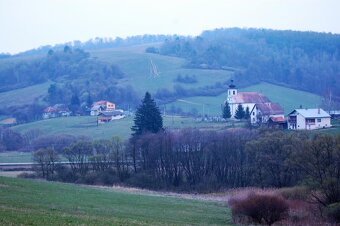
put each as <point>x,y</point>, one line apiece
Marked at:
<point>303,60</point>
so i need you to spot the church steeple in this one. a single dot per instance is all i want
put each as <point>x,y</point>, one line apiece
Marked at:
<point>232,91</point>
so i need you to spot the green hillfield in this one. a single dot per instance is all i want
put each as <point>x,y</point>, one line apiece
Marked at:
<point>288,98</point>
<point>135,63</point>
<point>24,96</point>
<point>33,202</point>
<point>87,126</point>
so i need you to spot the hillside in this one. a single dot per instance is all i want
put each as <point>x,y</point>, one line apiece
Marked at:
<point>29,202</point>
<point>288,98</point>
<point>308,61</point>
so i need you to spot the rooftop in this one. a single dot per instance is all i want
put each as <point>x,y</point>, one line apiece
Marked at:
<point>250,97</point>
<point>311,113</point>
<point>270,108</point>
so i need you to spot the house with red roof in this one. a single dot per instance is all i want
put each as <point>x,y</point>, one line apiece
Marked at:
<point>262,112</point>
<point>101,106</point>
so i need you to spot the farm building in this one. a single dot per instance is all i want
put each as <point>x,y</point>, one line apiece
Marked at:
<point>308,119</point>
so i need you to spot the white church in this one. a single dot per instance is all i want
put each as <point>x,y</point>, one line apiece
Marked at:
<point>260,107</point>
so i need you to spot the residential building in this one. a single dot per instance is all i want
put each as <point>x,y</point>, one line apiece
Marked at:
<point>308,119</point>
<point>101,106</point>
<point>262,112</point>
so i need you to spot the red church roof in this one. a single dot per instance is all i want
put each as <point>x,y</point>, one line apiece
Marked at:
<point>250,97</point>
<point>270,109</point>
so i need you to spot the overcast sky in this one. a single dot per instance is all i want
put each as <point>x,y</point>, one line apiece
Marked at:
<point>26,24</point>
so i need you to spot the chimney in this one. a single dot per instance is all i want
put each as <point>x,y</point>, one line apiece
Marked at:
<point>300,106</point>
<point>318,110</point>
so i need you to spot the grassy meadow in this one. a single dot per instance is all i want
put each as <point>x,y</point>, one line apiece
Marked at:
<point>87,126</point>
<point>24,96</point>
<point>33,202</point>
<point>288,98</point>
<point>135,63</point>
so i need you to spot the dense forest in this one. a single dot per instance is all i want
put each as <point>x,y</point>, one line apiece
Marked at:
<point>304,60</point>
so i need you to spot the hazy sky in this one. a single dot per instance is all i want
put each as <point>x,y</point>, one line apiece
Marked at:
<point>26,24</point>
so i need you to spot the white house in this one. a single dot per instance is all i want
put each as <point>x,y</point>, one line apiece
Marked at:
<point>262,112</point>
<point>308,119</point>
<point>101,106</point>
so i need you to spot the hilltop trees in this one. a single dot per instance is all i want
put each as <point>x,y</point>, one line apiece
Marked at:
<point>148,117</point>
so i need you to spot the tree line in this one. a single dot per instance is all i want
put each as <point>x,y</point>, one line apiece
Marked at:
<point>303,60</point>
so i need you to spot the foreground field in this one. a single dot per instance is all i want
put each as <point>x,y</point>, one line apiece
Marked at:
<point>29,202</point>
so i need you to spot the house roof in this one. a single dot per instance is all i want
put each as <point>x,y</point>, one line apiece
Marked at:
<point>278,119</point>
<point>8,121</point>
<point>101,102</point>
<point>50,109</point>
<point>250,97</point>
<point>111,113</point>
<point>96,108</point>
<point>270,108</point>
<point>311,113</point>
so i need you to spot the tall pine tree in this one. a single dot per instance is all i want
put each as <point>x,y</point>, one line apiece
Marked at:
<point>247,113</point>
<point>239,114</point>
<point>226,111</point>
<point>148,117</point>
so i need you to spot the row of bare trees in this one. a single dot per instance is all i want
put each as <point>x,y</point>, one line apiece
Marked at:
<point>197,160</point>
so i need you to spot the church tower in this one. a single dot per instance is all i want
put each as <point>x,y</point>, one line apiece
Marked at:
<point>232,91</point>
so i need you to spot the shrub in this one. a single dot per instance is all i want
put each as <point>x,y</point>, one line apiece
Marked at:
<point>295,193</point>
<point>333,212</point>
<point>259,208</point>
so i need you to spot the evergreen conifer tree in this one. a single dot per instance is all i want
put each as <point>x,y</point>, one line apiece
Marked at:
<point>148,117</point>
<point>239,114</point>
<point>226,111</point>
<point>247,113</point>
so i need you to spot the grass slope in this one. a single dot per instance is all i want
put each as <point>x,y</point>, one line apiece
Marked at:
<point>87,126</point>
<point>24,96</point>
<point>15,156</point>
<point>135,63</point>
<point>28,202</point>
<point>288,98</point>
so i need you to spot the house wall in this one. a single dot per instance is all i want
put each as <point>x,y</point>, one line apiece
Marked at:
<point>233,107</point>
<point>325,123</point>
<point>301,123</point>
<point>110,106</point>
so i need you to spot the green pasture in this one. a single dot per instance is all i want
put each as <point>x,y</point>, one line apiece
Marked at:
<point>33,202</point>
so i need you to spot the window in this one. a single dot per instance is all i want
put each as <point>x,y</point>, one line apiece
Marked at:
<point>253,112</point>
<point>233,92</point>
<point>319,119</point>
